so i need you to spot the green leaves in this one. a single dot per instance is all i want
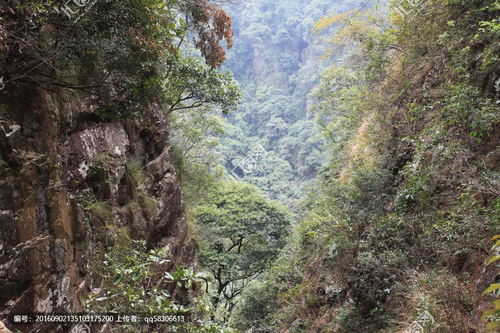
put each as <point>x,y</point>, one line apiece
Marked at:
<point>492,316</point>
<point>240,235</point>
<point>491,288</point>
<point>168,276</point>
<point>120,46</point>
<point>185,277</point>
<point>189,83</point>
<point>493,259</point>
<point>129,279</point>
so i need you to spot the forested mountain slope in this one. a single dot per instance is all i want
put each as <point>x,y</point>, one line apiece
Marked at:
<point>277,60</point>
<point>345,179</point>
<point>401,218</point>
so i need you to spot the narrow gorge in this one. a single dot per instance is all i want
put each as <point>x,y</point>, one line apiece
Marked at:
<point>253,166</point>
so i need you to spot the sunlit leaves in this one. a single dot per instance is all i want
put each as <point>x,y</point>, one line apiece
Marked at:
<point>188,83</point>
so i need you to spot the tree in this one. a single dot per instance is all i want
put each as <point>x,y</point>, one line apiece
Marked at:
<point>189,83</point>
<point>115,51</point>
<point>241,234</point>
<point>194,134</point>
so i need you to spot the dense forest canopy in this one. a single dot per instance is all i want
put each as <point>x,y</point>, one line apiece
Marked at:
<point>283,62</point>
<point>252,166</point>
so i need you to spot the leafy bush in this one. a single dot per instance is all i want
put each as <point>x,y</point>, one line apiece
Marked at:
<point>133,280</point>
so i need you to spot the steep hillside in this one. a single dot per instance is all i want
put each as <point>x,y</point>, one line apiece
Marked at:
<point>62,187</point>
<point>91,213</point>
<point>348,182</point>
<point>398,227</point>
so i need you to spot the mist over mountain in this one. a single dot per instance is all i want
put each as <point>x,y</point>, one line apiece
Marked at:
<point>211,166</point>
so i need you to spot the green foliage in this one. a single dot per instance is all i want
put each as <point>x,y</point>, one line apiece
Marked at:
<point>189,83</point>
<point>129,49</point>
<point>258,301</point>
<point>133,280</point>
<point>195,134</point>
<point>492,316</point>
<point>240,234</point>
<point>282,61</point>
<point>101,163</point>
<point>397,221</point>
<point>136,180</point>
<point>464,106</point>
<point>100,210</point>
<point>135,171</point>
<point>126,270</point>
<point>338,106</point>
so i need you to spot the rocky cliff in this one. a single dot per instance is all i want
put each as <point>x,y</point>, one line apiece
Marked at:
<point>65,177</point>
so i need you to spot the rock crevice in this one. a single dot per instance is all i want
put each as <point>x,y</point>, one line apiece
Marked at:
<point>52,169</point>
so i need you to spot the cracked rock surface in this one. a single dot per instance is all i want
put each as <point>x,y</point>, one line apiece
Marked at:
<point>50,165</point>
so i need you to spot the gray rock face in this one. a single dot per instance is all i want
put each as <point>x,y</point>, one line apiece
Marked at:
<point>50,167</point>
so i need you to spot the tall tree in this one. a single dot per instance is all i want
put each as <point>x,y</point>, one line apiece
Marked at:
<point>241,234</point>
